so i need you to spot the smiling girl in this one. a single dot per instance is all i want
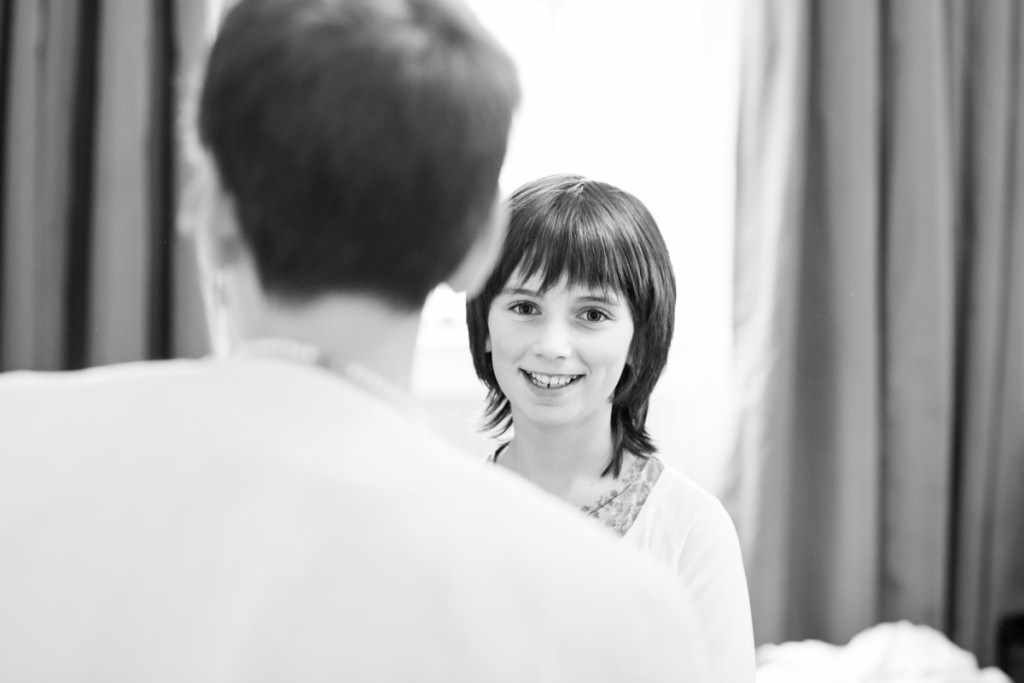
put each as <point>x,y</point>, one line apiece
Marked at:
<point>570,334</point>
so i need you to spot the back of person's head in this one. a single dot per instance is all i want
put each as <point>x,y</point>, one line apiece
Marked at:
<point>596,235</point>
<point>360,141</point>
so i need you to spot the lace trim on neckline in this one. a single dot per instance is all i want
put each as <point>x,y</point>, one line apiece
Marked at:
<point>635,467</point>
<point>619,513</point>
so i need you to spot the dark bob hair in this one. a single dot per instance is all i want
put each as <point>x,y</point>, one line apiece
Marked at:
<point>599,237</point>
<point>361,141</point>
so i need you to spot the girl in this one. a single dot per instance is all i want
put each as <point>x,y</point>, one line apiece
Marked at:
<point>570,335</point>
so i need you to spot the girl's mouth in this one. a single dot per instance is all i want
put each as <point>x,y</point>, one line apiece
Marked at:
<point>545,381</point>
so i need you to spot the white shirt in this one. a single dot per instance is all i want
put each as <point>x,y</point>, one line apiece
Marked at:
<point>256,520</point>
<point>686,529</point>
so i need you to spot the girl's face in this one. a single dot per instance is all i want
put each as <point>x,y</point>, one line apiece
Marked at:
<point>558,355</point>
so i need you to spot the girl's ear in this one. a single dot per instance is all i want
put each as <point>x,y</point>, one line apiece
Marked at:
<point>487,344</point>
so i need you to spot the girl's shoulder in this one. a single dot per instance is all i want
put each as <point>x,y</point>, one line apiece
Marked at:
<point>677,507</point>
<point>678,490</point>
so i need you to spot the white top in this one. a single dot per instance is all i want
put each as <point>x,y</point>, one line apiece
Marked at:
<point>687,529</point>
<point>255,520</point>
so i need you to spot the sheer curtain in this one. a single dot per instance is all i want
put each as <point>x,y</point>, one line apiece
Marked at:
<point>879,317</point>
<point>92,270</point>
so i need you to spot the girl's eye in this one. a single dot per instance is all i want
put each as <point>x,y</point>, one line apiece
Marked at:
<point>595,315</point>
<point>523,308</point>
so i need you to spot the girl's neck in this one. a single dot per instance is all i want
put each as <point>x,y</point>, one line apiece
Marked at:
<point>559,458</point>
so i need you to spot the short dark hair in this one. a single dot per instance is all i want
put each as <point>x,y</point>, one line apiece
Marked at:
<point>360,140</point>
<point>601,237</point>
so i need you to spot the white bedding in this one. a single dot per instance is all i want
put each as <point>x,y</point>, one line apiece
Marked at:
<point>898,652</point>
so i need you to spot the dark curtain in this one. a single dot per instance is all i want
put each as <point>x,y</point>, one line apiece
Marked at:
<point>879,316</point>
<point>92,268</point>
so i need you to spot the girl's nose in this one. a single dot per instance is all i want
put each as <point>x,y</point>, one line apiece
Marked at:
<point>554,341</point>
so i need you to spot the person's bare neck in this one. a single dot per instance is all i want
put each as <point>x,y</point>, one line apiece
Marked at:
<point>561,459</point>
<point>347,328</point>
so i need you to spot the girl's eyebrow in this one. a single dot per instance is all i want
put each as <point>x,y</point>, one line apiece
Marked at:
<point>609,299</point>
<point>520,291</point>
<point>600,298</point>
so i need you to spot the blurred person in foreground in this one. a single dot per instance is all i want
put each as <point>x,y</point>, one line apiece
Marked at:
<point>282,513</point>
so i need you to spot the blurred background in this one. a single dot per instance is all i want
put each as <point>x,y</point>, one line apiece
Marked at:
<point>840,185</point>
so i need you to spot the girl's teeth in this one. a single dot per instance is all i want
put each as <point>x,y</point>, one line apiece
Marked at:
<point>550,381</point>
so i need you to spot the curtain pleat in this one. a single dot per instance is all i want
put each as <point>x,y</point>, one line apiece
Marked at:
<point>1000,584</point>
<point>162,174</point>
<point>769,185</point>
<point>987,409</point>
<point>80,165</point>
<point>917,300</point>
<point>121,208</point>
<point>837,354</point>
